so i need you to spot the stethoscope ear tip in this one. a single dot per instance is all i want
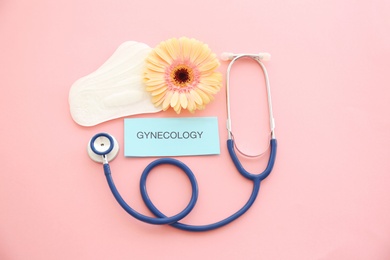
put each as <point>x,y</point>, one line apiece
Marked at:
<point>265,56</point>
<point>226,56</point>
<point>103,148</point>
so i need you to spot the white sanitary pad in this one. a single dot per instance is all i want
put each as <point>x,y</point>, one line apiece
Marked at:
<point>114,90</point>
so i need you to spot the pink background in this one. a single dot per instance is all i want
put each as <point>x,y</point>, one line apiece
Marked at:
<point>328,196</point>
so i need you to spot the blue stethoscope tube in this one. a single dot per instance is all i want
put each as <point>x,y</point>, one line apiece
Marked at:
<point>174,220</point>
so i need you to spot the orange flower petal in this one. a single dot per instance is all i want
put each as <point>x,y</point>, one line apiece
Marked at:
<point>186,47</point>
<point>155,81</point>
<point>155,59</point>
<point>155,87</point>
<point>154,67</point>
<point>175,99</point>
<point>203,55</point>
<point>177,108</point>
<point>172,47</point>
<point>191,103</point>
<point>208,88</point>
<point>195,52</point>
<point>157,100</point>
<point>210,65</point>
<point>167,100</point>
<point>183,100</point>
<point>198,100</point>
<point>163,55</point>
<point>159,91</point>
<point>206,99</point>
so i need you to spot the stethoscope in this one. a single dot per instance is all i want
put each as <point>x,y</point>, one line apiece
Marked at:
<point>103,148</point>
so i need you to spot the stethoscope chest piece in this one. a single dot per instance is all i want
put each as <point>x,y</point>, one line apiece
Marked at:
<point>102,146</point>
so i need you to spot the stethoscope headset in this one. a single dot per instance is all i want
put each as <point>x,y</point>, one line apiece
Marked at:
<point>103,148</point>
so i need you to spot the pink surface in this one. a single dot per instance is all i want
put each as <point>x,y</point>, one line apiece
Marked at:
<point>328,196</point>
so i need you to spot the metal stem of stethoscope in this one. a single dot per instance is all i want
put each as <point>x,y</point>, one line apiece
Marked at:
<point>256,57</point>
<point>104,148</point>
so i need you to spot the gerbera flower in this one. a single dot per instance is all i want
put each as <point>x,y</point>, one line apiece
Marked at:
<point>180,73</point>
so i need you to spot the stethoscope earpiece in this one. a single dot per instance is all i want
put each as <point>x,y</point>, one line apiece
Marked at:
<point>103,146</point>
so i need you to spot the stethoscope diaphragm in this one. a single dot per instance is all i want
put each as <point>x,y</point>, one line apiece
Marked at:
<point>103,144</point>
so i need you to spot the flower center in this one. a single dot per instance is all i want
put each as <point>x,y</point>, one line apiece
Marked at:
<point>182,75</point>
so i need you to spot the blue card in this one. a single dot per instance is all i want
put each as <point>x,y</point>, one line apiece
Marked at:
<point>148,137</point>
